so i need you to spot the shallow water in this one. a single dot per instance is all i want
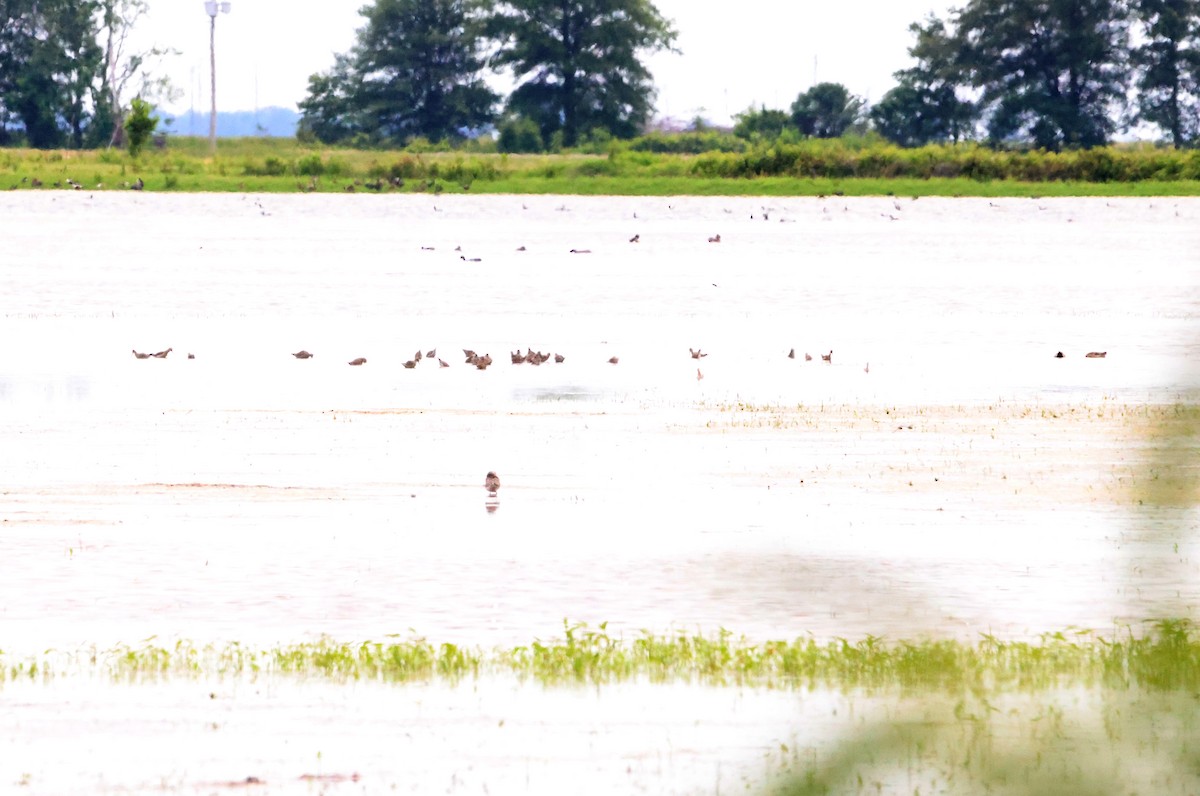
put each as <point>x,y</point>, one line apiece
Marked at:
<point>247,496</point>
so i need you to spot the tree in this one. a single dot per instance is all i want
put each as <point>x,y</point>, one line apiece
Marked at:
<point>826,110</point>
<point>1053,71</point>
<point>49,59</point>
<point>122,69</point>
<point>578,62</point>
<point>763,124</point>
<point>139,124</point>
<point>927,105</point>
<point>1168,64</point>
<point>414,72</point>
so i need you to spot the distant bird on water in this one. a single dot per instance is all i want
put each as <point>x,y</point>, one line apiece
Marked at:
<point>1059,355</point>
<point>828,357</point>
<point>715,239</point>
<point>697,353</point>
<point>358,361</point>
<point>613,360</point>
<point>140,355</point>
<point>302,354</point>
<point>1096,354</point>
<point>792,354</point>
<point>162,354</point>
<point>492,483</point>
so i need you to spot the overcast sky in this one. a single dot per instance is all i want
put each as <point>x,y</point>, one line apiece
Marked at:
<point>762,51</point>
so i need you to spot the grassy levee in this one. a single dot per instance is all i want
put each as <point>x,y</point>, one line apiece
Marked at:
<point>807,168</point>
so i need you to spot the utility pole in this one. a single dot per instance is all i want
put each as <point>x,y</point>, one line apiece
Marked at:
<point>212,8</point>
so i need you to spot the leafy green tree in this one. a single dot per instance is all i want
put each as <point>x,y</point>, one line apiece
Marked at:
<point>578,62</point>
<point>928,103</point>
<point>827,110</point>
<point>1051,71</point>
<point>139,125</point>
<point>764,124</point>
<point>1168,63</point>
<point>518,134</point>
<point>49,59</point>
<point>414,72</point>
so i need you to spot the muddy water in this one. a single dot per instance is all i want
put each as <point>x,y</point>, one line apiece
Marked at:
<point>932,479</point>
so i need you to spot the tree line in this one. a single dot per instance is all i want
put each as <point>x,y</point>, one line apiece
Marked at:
<point>1052,74</point>
<point>68,77</point>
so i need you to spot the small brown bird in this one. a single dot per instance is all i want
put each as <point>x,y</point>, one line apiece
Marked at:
<point>636,238</point>
<point>808,357</point>
<point>191,356</point>
<point>358,361</point>
<point>612,360</point>
<point>792,354</point>
<point>431,354</point>
<point>1089,354</point>
<point>581,251</point>
<point>417,357</point>
<point>162,354</point>
<point>491,483</point>
<point>140,355</point>
<point>443,363</point>
<point>697,353</point>
<point>559,358</point>
<point>302,355</point>
<point>715,239</point>
<point>699,375</point>
<point>828,357</point>
<point>1059,355</point>
<point>409,364</point>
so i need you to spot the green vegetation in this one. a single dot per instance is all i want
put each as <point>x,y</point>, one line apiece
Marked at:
<point>851,167</point>
<point>1166,657</point>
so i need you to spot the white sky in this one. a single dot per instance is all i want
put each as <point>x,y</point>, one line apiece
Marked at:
<point>766,51</point>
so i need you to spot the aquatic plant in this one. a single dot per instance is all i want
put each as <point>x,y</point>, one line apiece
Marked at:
<point>1166,656</point>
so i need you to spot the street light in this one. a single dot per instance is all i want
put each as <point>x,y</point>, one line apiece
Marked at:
<point>212,8</point>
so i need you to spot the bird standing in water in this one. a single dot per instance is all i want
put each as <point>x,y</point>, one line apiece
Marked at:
<point>492,483</point>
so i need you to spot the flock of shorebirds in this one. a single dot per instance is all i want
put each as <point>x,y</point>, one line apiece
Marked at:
<point>481,362</point>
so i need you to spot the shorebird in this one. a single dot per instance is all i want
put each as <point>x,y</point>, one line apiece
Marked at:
<point>699,375</point>
<point>409,364</point>
<point>808,357</point>
<point>715,239</point>
<point>443,363</point>
<point>162,354</point>
<point>697,353</point>
<point>140,355</point>
<point>302,355</point>
<point>491,483</point>
<point>581,251</point>
<point>431,354</point>
<point>792,354</point>
<point>828,357</point>
<point>483,361</point>
<point>517,357</point>
<point>1096,354</point>
<point>612,360</point>
<point>636,238</point>
<point>417,356</point>
<point>358,361</point>
<point>559,358</point>
<point>1059,355</point>
<point>191,356</point>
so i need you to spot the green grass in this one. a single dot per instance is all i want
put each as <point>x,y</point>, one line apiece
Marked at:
<point>1166,657</point>
<point>809,169</point>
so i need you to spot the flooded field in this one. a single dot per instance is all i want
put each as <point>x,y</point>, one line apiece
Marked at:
<point>943,475</point>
